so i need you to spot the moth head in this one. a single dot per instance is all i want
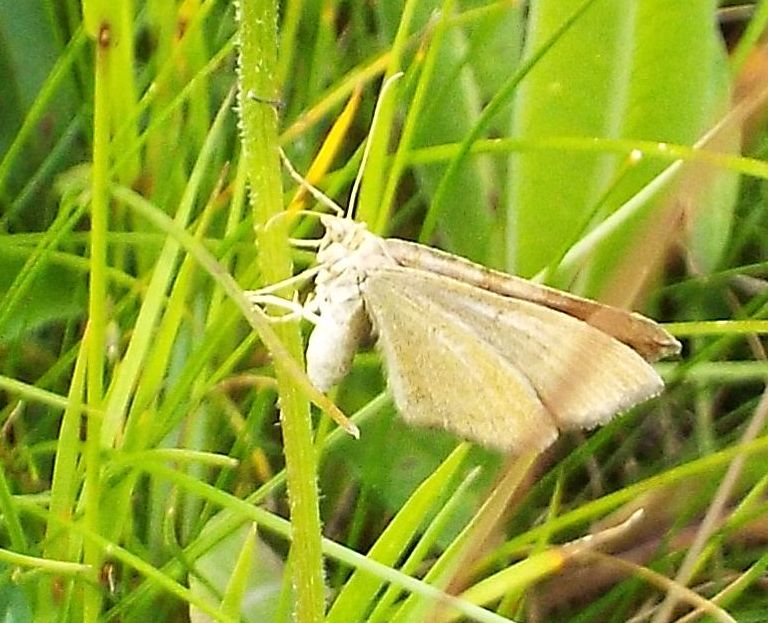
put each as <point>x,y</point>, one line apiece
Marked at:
<point>342,231</point>
<point>349,245</point>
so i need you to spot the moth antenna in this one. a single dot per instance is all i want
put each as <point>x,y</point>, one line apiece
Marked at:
<point>315,192</point>
<point>366,152</point>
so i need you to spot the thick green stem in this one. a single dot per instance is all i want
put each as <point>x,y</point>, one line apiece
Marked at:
<point>257,94</point>
<point>97,320</point>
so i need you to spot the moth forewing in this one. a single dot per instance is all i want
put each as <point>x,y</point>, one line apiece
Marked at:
<point>442,375</point>
<point>580,375</point>
<point>640,333</point>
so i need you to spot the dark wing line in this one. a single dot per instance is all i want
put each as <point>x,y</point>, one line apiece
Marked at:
<point>642,334</point>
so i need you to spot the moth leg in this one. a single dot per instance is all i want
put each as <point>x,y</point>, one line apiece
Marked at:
<point>296,310</point>
<point>312,304</point>
<point>269,296</point>
<point>305,243</point>
<point>304,275</point>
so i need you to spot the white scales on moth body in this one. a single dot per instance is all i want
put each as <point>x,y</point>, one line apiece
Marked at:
<point>346,255</point>
<point>491,357</point>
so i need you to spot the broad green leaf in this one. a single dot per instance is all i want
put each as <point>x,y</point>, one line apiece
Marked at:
<point>670,40</point>
<point>577,89</point>
<point>466,216</point>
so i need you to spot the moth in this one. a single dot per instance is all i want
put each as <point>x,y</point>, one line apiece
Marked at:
<point>491,357</point>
